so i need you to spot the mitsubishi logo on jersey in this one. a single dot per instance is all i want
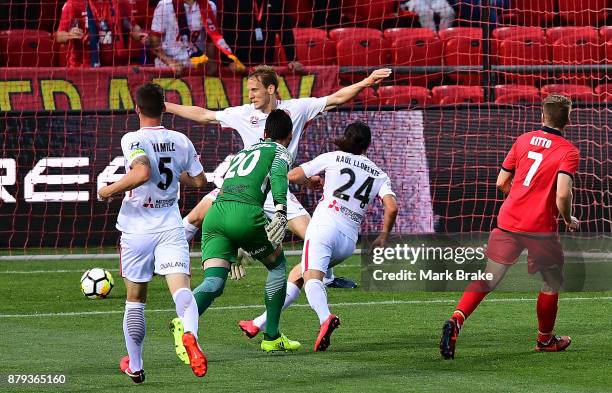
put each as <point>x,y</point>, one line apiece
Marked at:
<point>148,204</point>
<point>334,205</point>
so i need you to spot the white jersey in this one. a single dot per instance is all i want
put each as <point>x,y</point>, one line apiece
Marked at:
<point>351,183</point>
<point>152,207</point>
<point>250,122</point>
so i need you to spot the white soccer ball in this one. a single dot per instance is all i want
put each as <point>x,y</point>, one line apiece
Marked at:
<point>97,283</point>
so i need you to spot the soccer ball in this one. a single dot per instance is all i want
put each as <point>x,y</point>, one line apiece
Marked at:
<point>97,283</point>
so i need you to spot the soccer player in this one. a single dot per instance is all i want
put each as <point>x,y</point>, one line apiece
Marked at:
<point>248,120</point>
<point>237,219</point>
<point>537,175</point>
<point>351,182</point>
<point>152,235</point>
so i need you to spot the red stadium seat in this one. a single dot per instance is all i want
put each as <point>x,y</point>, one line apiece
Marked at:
<point>463,47</point>
<point>399,32</point>
<point>582,12</point>
<point>312,47</point>
<point>460,32</point>
<point>524,50</point>
<point>417,51</point>
<point>366,97</point>
<point>457,94</point>
<point>366,13</point>
<point>604,92</point>
<point>534,12</point>
<point>361,52</point>
<point>575,92</point>
<point>502,90</point>
<point>578,50</point>
<point>605,33</point>
<point>27,48</point>
<point>555,33</point>
<point>518,98</point>
<point>509,33</point>
<point>608,50</point>
<point>404,95</point>
<point>354,32</point>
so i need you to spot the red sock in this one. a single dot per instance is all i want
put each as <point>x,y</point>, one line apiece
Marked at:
<point>471,298</point>
<point>547,314</point>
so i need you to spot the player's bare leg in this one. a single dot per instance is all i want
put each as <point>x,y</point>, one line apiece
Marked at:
<point>548,297</point>
<point>187,311</point>
<point>317,298</point>
<point>474,293</point>
<point>134,330</point>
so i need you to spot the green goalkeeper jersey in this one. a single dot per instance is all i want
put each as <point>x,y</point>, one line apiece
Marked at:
<point>254,172</point>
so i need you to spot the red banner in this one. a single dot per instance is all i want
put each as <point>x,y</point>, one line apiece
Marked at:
<point>35,89</point>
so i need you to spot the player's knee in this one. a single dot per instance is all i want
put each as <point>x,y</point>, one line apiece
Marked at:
<point>213,285</point>
<point>182,297</point>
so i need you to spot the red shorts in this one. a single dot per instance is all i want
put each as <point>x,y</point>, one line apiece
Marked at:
<point>543,252</point>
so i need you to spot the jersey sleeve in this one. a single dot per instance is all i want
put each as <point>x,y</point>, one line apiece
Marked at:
<point>132,147</point>
<point>385,188</point>
<point>509,164</point>
<point>230,117</point>
<point>194,166</point>
<point>66,18</point>
<point>158,25</point>
<point>569,163</point>
<point>313,106</point>
<point>278,176</point>
<point>316,166</point>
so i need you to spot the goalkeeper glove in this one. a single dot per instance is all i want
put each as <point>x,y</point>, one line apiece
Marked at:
<point>237,269</point>
<point>277,227</point>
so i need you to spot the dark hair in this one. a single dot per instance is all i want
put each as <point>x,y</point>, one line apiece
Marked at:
<point>265,74</point>
<point>150,100</point>
<point>556,109</point>
<point>278,125</point>
<point>356,139</point>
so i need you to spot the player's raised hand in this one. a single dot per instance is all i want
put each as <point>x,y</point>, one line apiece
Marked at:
<point>573,225</point>
<point>377,76</point>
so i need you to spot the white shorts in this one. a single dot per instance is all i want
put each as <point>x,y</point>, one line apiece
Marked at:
<point>142,255</point>
<point>294,207</point>
<point>325,247</point>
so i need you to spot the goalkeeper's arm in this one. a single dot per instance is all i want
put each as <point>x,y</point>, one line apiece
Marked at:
<point>279,186</point>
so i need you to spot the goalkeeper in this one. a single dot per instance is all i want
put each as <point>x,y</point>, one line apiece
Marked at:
<point>237,220</point>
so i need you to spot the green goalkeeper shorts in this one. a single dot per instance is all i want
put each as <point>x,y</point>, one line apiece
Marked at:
<point>232,225</point>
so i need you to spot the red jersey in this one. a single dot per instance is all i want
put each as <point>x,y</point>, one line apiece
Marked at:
<point>536,158</point>
<point>112,17</point>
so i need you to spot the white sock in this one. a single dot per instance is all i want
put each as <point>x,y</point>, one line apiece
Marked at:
<point>134,330</point>
<point>317,298</point>
<point>293,292</point>
<point>329,276</point>
<point>190,230</point>
<point>187,310</point>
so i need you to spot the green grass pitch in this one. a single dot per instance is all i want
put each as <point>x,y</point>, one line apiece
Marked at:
<point>388,342</point>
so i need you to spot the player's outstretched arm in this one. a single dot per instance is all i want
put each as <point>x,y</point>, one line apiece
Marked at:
<point>195,113</point>
<point>564,200</point>
<point>348,93</point>
<point>193,181</point>
<point>390,214</point>
<point>298,176</point>
<point>140,172</point>
<point>504,181</point>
